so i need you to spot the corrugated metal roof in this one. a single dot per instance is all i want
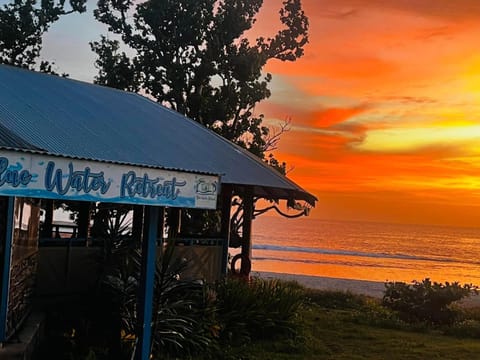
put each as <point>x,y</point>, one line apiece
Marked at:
<point>77,119</point>
<point>10,140</point>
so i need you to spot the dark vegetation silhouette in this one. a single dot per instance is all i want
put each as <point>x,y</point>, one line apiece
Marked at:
<point>197,57</point>
<point>22,26</point>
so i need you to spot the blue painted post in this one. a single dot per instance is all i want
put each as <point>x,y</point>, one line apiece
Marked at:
<point>6,270</point>
<point>147,281</point>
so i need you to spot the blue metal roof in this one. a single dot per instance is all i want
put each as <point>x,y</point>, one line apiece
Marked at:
<point>10,140</point>
<point>76,119</point>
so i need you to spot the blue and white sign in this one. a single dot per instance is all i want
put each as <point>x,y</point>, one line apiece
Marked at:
<point>33,175</point>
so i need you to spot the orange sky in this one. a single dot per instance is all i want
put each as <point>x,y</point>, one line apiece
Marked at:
<point>385,109</point>
<point>385,105</point>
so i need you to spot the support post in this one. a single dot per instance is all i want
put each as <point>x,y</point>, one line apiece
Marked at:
<point>161,227</point>
<point>5,272</point>
<point>226,207</point>
<point>247,227</point>
<point>47,224</point>
<point>174,222</point>
<point>147,282</point>
<point>137,223</point>
<point>84,221</point>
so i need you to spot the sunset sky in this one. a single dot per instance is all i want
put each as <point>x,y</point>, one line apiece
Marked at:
<point>385,110</point>
<point>385,106</point>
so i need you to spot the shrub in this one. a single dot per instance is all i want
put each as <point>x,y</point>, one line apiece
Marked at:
<point>337,299</point>
<point>426,301</point>
<point>182,315</point>
<point>360,309</point>
<point>466,328</point>
<point>257,309</point>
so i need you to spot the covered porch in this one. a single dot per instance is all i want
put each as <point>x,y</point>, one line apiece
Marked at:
<point>89,129</point>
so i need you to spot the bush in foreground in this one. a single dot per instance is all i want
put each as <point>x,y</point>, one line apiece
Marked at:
<point>257,309</point>
<point>426,301</point>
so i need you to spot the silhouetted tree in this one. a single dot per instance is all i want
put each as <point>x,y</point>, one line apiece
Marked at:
<point>196,57</point>
<point>22,25</point>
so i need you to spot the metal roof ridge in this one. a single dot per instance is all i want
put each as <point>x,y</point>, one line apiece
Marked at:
<point>83,82</point>
<point>160,167</point>
<point>259,162</point>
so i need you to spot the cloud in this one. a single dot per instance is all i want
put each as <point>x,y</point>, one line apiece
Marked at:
<point>329,162</point>
<point>337,13</point>
<point>333,127</point>
<point>385,47</point>
<point>414,139</point>
<point>434,32</point>
<point>406,99</point>
<point>330,117</point>
<point>450,10</point>
<point>336,64</point>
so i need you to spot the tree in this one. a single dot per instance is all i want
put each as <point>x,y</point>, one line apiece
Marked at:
<point>22,25</point>
<point>195,57</point>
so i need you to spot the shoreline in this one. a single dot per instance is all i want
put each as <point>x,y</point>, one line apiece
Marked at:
<point>361,287</point>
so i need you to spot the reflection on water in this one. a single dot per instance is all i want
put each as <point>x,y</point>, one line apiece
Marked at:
<point>366,251</point>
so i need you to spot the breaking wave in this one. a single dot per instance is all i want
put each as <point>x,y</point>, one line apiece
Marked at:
<point>321,251</point>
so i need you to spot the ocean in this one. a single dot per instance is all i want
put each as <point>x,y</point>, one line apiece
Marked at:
<point>366,250</point>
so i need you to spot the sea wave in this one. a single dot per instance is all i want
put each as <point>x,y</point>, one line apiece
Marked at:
<point>400,256</point>
<point>332,262</point>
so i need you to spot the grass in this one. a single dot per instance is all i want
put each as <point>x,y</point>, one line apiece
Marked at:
<point>339,325</point>
<point>332,335</point>
<point>329,325</point>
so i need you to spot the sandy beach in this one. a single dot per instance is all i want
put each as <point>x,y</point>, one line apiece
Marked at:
<point>364,287</point>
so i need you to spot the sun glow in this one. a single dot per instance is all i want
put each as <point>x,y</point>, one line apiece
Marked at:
<point>411,139</point>
<point>472,78</point>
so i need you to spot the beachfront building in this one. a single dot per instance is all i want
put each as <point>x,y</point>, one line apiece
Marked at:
<point>67,141</point>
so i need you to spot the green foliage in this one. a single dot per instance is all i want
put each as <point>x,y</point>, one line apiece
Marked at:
<point>183,312</point>
<point>356,308</point>
<point>426,301</point>
<point>337,333</point>
<point>200,223</point>
<point>22,25</point>
<point>336,299</point>
<point>120,73</point>
<point>468,328</point>
<point>191,318</point>
<point>259,309</point>
<point>467,324</point>
<point>281,167</point>
<point>196,56</point>
<point>344,326</point>
<point>182,315</point>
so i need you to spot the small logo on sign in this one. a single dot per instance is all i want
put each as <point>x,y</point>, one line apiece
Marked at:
<point>204,187</point>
